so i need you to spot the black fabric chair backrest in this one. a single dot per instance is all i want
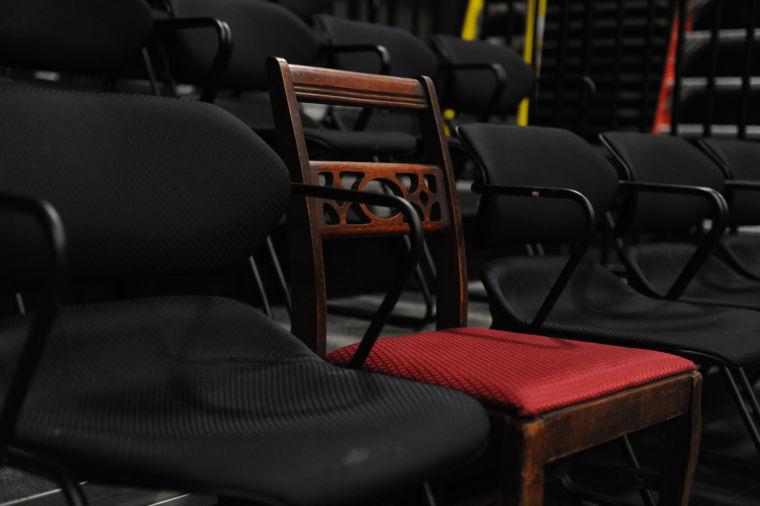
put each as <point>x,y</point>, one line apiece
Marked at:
<point>410,57</point>
<point>471,91</point>
<point>738,160</point>
<point>664,159</point>
<point>259,29</point>
<point>306,8</point>
<point>534,156</point>
<point>90,36</point>
<point>144,185</point>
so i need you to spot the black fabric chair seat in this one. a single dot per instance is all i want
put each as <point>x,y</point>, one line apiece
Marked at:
<point>746,248</point>
<point>714,283</point>
<point>256,112</point>
<point>188,392</point>
<point>598,306</point>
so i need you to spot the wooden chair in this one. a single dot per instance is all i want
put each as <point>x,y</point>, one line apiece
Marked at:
<point>549,398</point>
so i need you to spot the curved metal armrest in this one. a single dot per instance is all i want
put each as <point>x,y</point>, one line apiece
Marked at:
<point>44,315</point>
<point>499,77</point>
<point>719,223</point>
<point>734,185</point>
<point>578,252</point>
<point>413,259</point>
<point>223,51</point>
<point>382,53</point>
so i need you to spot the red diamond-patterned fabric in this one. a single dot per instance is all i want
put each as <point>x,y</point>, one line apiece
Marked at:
<point>524,374</point>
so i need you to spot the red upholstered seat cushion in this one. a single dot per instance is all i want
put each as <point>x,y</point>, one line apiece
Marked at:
<point>522,373</point>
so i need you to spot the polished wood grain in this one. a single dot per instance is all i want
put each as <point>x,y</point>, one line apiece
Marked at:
<point>527,444</point>
<point>313,84</point>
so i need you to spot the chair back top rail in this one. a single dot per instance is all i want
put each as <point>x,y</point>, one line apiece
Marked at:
<point>313,84</point>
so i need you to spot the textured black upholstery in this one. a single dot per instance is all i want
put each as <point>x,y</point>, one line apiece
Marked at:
<point>598,306</point>
<point>530,156</point>
<point>470,91</point>
<point>168,184</point>
<point>306,8</point>
<point>665,159</point>
<point>410,57</point>
<point>740,160</point>
<point>259,29</point>
<point>207,394</point>
<point>76,35</point>
<point>714,283</point>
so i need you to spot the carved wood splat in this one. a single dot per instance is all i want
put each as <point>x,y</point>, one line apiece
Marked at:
<point>420,185</point>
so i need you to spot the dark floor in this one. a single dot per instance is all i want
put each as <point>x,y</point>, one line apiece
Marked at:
<point>720,480</point>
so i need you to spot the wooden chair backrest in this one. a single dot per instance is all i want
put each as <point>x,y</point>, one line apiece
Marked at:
<point>429,187</point>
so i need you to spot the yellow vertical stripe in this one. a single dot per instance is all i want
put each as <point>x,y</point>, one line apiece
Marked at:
<point>471,26</point>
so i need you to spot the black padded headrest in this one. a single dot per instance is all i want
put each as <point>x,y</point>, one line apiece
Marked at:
<point>144,185</point>
<point>259,29</point>
<point>410,57</point>
<point>534,156</point>
<point>739,160</point>
<point>471,90</point>
<point>665,159</point>
<point>89,36</point>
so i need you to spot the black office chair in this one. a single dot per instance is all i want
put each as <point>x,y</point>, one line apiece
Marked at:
<point>499,80</point>
<point>101,42</point>
<point>570,184</point>
<point>739,161</point>
<point>193,392</point>
<point>683,264</point>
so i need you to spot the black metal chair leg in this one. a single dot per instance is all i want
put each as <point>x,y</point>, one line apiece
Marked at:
<point>260,287</point>
<point>750,393</point>
<point>742,405</point>
<point>419,274</point>
<point>428,494</point>
<point>424,288</point>
<point>71,490</point>
<point>280,276</point>
<point>633,461</point>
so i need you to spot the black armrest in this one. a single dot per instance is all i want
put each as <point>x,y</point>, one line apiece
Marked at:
<point>383,55</point>
<point>719,223</point>
<point>578,252</point>
<point>415,250</point>
<point>45,313</point>
<point>733,185</point>
<point>223,51</point>
<point>499,77</point>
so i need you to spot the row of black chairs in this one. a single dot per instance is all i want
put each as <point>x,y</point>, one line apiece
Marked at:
<point>188,415</point>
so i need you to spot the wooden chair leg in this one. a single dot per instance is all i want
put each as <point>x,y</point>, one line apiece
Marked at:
<point>523,457</point>
<point>683,435</point>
